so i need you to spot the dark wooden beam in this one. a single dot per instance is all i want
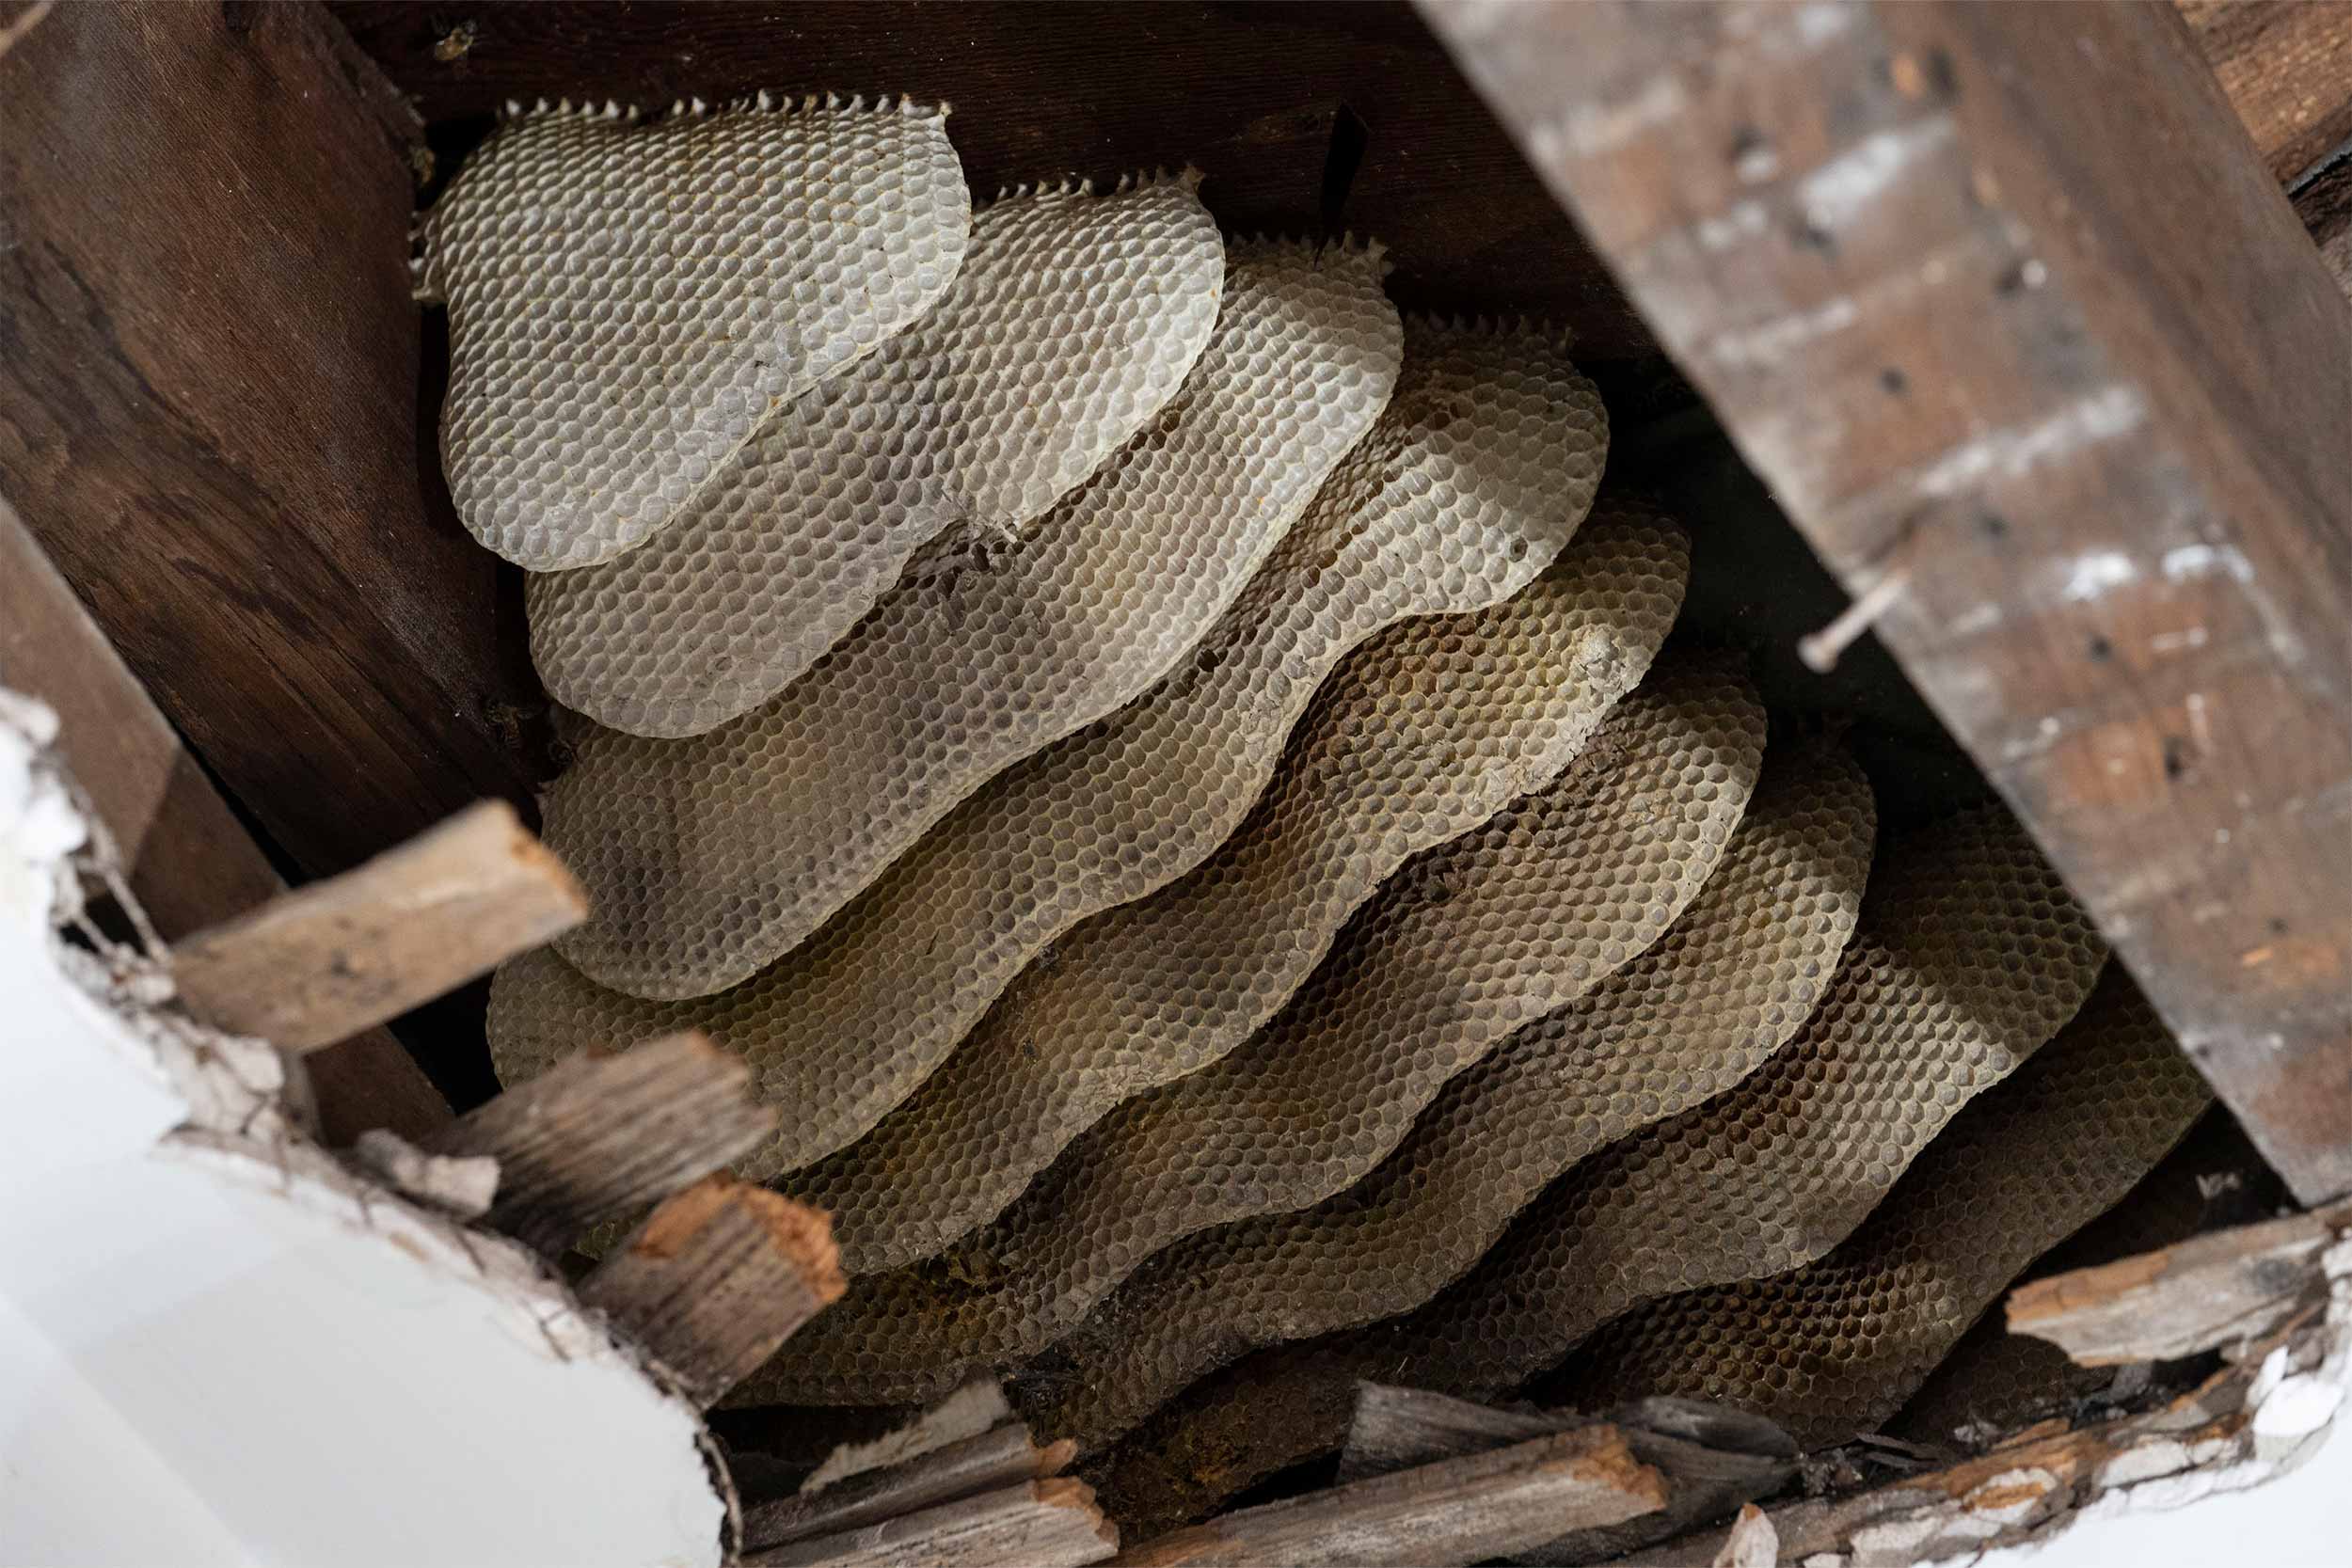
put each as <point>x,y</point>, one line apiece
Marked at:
<point>1301,115</point>
<point>207,412</point>
<point>2009,312</point>
<point>187,860</point>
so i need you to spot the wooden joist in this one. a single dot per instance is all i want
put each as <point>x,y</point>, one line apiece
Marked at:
<point>1004,1456</point>
<point>1456,1511</point>
<point>600,1137</point>
<point>189,861</point>
<point>318,965</point>
<point>2288,72</point>
<point>2068,412</point>
<point>1035,1524</point>
<point>716,1279</point>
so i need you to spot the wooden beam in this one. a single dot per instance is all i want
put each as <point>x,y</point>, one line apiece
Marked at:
<point>2288,72</point>
<point>318,965</point>
<point>189,861</point>
<point>1003,1456</point>
<point>1038,1524</point>
<point>209,413</point>
<point>716,1279</point>
<point>598,1137</point>
<point>1456,1511</point>
<point>2005,307</point>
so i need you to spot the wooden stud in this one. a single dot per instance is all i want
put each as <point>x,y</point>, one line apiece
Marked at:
<point>716,1279</point>
<point>2185,1298</point>
<point>1038,1524</point>
<point>599,1136</point>
<point>1001,1457</point>
<point>188,860</point>
<point>319,964</point>
<point>2288,72</point>
<point>2090,402</point>
<point>1456,1511</point>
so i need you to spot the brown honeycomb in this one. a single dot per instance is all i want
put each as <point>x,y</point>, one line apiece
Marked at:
<point>1720,992</point>
<point>1833,1348</point>
<point>706,859</point>
<point>1969,957</point>
<point>1479,469</point>
<point>1519,916</point>
<point>1422,733</point>
<point>627,301</point>
<point>1997,1382</point>
<point>1072,321</point>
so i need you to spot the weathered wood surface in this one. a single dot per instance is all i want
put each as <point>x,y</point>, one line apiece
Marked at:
<point>319,964</point>
<point>2287,68</point>
<point>716,1279</point>
<point>207,412</point>
<point>2003,304</point>
<point>1272,102</point>
<point>599,1136</point>
<point>1001,1457</point>
<point>188,861</point>
<point>1038,1524</point>
<point>1456,1511</point>
<point>2189,1297</point>
<point>1712,1460</point>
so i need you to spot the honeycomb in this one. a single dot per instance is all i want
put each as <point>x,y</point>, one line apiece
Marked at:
<point>1481,466</point>
<point>1969,957</point>
<point>1719,993</point>
<point>1422,733</point>
<point>1833,1348</point>
<point>1518,916</point>
<point>627,301</point>
<point>706,859</point>
<point>1072,321</point>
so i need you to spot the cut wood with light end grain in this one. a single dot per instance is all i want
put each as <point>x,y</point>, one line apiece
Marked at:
<point>325,962</point>
<point>1753,1543</point>
<point>1713,1459</point>
<point>716,1279</point>
<point>1458,1511</point>
<point>1038,1524</point>
<point>599,1136</point>
<point>2185,1298</point>
<point>993,1459</point>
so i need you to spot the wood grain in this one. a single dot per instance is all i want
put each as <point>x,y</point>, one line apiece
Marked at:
<point>207,412</point>
<point>1000,1457</point>
<point>187,858</point>
<point>1456,1511</point>
<point>2003,305</point>
<point>1254,95</point>
<point>1038,1524</point>
<point>2185,1298</point>
<point>598,1137</point>
<point>2287,67</point>
<point>316,966</point>
<point>716,1279</point>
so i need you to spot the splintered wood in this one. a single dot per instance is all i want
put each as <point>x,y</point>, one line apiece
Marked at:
<point>717,1278</point>
<point>597,1138</point>
<point>323,963</point>
<point>1458,1511</point>
<point>1004,1456</point>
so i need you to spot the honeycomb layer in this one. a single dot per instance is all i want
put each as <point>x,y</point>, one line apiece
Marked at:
<point>1475,938</point>
<point>1073,322</point>
<point>706,859</point>
<point>1719,993</point>
<point>1969,957</point>
<point>627,301</point>
<point>1424,732</point>
<point>1833,1349</point>
<point>1996,1382</point>
<point>1481,466</point>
